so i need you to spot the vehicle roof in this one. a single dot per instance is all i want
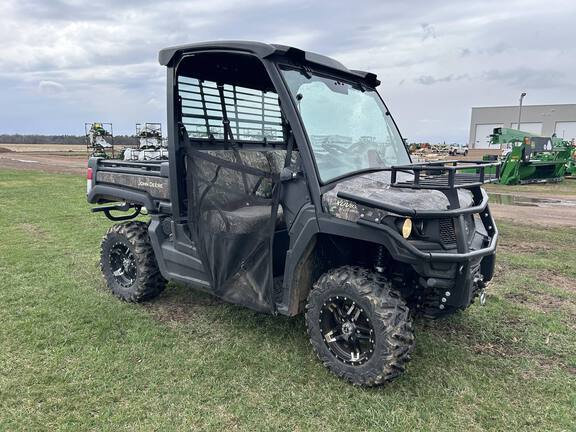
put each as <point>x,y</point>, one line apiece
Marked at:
<point>264,50</point>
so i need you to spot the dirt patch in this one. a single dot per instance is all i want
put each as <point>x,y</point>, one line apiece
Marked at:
<point>24,148</point>
<point>6,150</point>
<point>512,349</point>
<point>50,163</point>
<point>544,216</point>
<point>556,280</point>
<point>458,330</point>
<point>34,231</point>
<point>178,305</point>
<point>546,365</point>
<point>552,215</point>
<point>547,277</point>
<point>498,349</point>
<point>521,247</point>
<point>469,338</point>
<point>543,302</point>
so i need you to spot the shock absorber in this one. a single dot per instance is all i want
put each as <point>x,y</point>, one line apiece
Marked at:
<point>380,261</point>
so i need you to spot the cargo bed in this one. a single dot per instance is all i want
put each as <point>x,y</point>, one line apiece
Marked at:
<point>140,183</point>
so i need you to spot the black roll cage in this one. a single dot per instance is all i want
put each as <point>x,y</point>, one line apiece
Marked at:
<point>272,57</point>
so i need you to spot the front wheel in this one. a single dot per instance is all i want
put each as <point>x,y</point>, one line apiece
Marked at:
<point>359,326</point>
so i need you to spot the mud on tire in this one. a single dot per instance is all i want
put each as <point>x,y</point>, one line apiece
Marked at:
<point>383,325</point>
<point>128,263</point>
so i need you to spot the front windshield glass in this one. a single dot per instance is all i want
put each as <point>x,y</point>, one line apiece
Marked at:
<point>347,126</point>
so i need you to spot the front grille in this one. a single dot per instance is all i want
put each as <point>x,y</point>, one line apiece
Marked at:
<point>447,233</point>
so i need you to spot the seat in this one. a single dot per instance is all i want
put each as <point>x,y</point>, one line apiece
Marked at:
<point>244,218</point>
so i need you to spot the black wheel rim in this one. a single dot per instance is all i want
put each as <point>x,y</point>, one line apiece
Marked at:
<point>347,330</point>
<point>122,265</point>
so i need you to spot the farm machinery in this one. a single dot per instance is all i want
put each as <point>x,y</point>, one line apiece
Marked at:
<point>530,158</point>
<point>151,145</point>
<point>100,139</point>
<point>571,165</point>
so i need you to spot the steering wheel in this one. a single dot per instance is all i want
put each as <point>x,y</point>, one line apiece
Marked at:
<point>367,146</point>
<point>334,157</point>
<point>331,146</point>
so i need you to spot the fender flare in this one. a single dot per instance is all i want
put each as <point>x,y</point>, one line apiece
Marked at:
<point>102,194</point>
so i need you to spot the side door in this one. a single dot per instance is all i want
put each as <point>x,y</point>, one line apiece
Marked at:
<point>232,147</point>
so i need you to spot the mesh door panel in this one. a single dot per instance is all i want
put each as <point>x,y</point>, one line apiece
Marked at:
<point>234,201</point>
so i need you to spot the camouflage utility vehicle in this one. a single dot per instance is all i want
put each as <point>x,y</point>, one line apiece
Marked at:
<point>289,190</point>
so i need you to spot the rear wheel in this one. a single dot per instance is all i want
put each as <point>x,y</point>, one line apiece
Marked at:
<point>359,326</point>
<point>128,263</point>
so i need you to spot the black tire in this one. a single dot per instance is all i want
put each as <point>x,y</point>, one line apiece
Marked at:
<point>135,277</point>
<point>392,335</point>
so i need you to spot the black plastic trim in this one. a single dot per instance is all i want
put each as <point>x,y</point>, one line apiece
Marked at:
<point>434,256</point>
<point>101,193</point>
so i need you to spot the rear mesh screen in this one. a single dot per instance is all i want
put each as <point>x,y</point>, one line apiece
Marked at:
<point>254,115</point>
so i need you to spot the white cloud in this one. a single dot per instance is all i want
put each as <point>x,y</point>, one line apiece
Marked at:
<point>50,87</point>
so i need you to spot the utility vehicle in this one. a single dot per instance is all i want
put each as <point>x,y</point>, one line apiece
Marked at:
<point>289,190</point>
<point>457,149</point>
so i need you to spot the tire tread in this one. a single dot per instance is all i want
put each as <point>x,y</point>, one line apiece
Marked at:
<point>149,281</point>
<point>393,318</point>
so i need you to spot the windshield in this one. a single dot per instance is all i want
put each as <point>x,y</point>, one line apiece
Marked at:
<point>347,126</point>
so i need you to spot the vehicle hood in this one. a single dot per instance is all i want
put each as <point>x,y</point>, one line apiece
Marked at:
<point>376,186</point>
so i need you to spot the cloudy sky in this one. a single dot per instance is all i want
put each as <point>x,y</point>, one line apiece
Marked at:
<point>64,62</point>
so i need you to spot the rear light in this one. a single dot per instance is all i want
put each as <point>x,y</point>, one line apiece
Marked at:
<point>88,181</point>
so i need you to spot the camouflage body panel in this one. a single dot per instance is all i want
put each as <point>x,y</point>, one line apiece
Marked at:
<point>376,186</point>
<point>157,187</point>
<point>270,161</point>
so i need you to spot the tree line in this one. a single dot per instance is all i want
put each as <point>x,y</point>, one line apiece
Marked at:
<point>60,139</point>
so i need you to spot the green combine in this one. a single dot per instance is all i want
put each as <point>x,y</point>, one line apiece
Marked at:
<point>531,158</point>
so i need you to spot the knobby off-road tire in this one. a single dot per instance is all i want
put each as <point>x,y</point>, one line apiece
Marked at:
<point>384,323</point>
<point>128,263</point>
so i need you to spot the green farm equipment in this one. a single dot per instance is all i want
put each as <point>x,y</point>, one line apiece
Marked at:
<point>531,158</point>
<point>571,164</point>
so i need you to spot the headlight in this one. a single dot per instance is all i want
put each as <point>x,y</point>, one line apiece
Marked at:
<point>407,228</point>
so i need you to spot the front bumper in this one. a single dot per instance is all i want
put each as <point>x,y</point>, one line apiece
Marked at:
<point>464,251</point>
<point>448,279</point>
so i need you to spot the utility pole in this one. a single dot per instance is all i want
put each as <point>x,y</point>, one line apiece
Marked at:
<point>520,109</point>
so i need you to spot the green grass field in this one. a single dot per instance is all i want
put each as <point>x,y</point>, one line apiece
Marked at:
<point>73,357</point>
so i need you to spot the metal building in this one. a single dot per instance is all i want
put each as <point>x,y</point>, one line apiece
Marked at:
<point>539,119</point>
